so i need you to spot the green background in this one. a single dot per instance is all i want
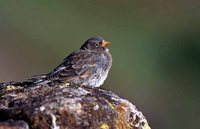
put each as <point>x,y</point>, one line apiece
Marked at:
<point>155,47</point>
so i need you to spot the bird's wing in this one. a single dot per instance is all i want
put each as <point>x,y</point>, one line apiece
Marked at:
<point>76,65</point>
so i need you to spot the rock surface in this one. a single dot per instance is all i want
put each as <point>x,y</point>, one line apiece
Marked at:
<point>62,106</point>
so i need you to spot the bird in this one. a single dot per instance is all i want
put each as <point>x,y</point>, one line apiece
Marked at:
<point>88,66</point>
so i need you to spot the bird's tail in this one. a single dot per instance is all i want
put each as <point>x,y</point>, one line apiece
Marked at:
<point>39,79</point>
<point>35,80</point>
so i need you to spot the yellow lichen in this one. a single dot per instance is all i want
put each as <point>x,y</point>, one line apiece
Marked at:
<point>104,126</point>
<point>146,126</point>
<point>10,87</point>
<point>64,85</point>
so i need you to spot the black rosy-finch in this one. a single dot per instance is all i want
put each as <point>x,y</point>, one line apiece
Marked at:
<point>87,66</point>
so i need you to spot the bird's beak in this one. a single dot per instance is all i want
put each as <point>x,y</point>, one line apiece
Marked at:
<point>104,43</point>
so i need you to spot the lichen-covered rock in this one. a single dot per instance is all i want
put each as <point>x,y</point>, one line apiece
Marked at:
<point>14,124</point>
<point>71,107</point>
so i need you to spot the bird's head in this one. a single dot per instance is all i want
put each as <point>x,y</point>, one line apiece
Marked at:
<point>96,44</point>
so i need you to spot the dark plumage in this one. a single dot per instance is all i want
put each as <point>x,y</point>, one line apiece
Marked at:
<point>88,66</point>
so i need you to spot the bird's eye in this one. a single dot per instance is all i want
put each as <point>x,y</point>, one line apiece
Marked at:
<point>96,45</point>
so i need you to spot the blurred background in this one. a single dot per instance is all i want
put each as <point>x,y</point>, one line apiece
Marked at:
<point>155,47</point>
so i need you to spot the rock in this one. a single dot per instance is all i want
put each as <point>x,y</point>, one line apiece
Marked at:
<point>62,106</point>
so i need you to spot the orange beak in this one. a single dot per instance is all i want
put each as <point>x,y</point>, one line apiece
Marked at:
<point>104,43</point>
